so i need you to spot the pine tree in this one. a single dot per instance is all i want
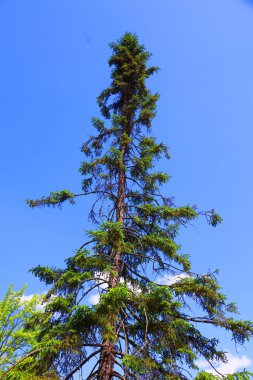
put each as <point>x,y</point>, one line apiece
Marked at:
<point>142,327</point>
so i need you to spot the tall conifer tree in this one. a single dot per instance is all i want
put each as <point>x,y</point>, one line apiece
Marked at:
<point>143,326</point>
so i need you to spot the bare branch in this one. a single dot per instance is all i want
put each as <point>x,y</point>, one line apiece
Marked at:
<point>81,364</point>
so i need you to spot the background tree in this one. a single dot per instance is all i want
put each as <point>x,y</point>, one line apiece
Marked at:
<point>15,339</point>
<point>142,327</point>
<point>244,375</point>
<point>19,343</point>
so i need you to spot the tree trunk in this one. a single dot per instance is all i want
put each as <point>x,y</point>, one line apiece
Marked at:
<point>106,362</point>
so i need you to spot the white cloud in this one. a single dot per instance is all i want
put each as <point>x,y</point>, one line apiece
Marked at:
<point>94,298</point>
<point>234,364</point>
<point>170,280</point>
<point>202,364</point>
<point>134,288</point>
<point>26,298</point>
<point>41,305</point>
<point>100,277</point>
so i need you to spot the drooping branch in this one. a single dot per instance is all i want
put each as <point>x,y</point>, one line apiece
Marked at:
<point>69,376</point>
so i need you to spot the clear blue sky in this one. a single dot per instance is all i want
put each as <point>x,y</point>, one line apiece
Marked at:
<point>53,65</point>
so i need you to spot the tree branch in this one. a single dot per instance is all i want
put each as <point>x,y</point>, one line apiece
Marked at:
<point>82,364</point>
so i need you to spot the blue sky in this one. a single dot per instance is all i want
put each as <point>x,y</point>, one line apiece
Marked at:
<point>54,64</point>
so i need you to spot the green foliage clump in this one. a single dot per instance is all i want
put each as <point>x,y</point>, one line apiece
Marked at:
<point>16,339</point>
<point>55,198</point>
<point>244,375</point>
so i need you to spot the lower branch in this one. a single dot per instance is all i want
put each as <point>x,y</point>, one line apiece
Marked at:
<point>81,364</point>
